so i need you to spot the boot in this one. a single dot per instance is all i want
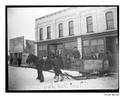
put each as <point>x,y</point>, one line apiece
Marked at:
<point>57,79</point>
<point>62,78</point>
<point>41,80</point>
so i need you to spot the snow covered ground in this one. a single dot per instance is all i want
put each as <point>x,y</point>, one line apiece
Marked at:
<point>25,79</point>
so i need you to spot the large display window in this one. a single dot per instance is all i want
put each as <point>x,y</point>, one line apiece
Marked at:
<point>42,50</point>
<point>92,48</point>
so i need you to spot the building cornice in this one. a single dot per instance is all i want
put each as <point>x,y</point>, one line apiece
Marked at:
<point>99,34</point>
<point>55,13</point>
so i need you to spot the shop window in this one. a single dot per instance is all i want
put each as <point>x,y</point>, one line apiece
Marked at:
<point>60,29</point>
<point>71,28</point>
<point>100,45</point>
<point>93,46</point>
<point>69,48</point>
<point>70,45</point>
<point>109,20</point>
<point>86,43</point>
<point>49,32</point>
<point>42,50</point>
<point>42,47</point>
<point>86,48</point>
<point>97,45</point>
<point>89,24</point>
<point>41,33</point>
<point>52,49</point>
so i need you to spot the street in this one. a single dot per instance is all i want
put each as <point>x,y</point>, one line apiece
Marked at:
<point>25,79</point>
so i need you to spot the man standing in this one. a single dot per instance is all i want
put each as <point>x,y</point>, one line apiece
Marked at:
<point>19,59</point>
<point>57,69</point>
<point>11,58</point>
<point>39,67</point>
<point>76,53</point>
<point>109,57</point>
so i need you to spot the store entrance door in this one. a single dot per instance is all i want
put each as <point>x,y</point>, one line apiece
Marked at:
<point>55,49</point>
<point>112,46</point>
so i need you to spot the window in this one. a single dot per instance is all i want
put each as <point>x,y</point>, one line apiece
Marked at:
<point>92,46</point>
<point>42,50</point>
<point>42,47</point>
<point>60,30</point>
<point>100,45</point>
<point>41,33</point>
<point>97,45</point>
<point>69,49</point>
<point>71,28</point>
<point>70,45</point>
<point>86,48</point>
<point>89,24</point>
<point>109,20</point>
<point>49,32</point>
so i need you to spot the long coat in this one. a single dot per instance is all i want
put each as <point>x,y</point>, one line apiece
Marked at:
<point>57,67</point>
<point>76,54</point>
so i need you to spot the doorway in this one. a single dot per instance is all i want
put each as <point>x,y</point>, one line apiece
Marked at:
<point>55,49</point>
<point>112,46</point>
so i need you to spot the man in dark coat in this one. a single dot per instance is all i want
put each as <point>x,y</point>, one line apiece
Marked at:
<point>39,63</point>
<point>11,59</point>
<point>19,59</point>
<point>76,53</point>
<point>57,69</point>
<point>109,57</point>
<point>39,67</point>
<point>101,55</point>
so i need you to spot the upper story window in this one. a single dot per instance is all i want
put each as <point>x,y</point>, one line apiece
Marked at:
<point>109,20</point>
<point>41,33</point>
<point>89,24</point>
<point>71,28</point>
<point>49,32</point>
<point>60,29</point>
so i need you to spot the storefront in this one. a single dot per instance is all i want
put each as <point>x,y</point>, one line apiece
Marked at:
<point>94,47</point>
<point>64,47</point>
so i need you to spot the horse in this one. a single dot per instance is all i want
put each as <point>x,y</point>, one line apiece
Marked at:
<point>46,65</point>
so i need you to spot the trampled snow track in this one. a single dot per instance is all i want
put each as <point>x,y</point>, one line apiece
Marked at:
<point>79,77</point>
<point>25,79</point>
<point>86,76</point>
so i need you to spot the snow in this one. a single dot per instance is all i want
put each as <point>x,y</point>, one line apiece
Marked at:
<point>25,79</point>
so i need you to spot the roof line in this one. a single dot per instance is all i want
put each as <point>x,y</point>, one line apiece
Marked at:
<point>57,12</point>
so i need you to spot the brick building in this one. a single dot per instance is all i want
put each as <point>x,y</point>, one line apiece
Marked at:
<point>90,29</point>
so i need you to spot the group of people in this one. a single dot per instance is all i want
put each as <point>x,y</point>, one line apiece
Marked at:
<point>94,56</point>
<point>54,63</point>
<point>15,59</point>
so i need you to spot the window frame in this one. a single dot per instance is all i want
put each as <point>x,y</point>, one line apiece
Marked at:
<point>109,20</point>
<point>48,32</point>
<point>41,33</point>
<point>60,29</point>
<point>85,46</point>
<point>89,24</point>
<point>71,27</point>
